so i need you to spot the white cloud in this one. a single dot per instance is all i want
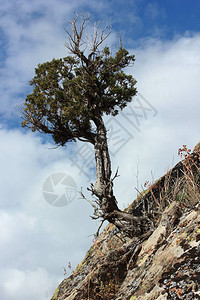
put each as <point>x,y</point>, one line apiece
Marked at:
<point>37,239</point>
<point>25,283</point>
<point>13,226</point>
<point>167,75</point>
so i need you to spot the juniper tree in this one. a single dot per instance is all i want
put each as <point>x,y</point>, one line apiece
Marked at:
<point>69,98</point>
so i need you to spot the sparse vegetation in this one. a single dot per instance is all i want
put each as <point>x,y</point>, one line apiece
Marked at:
<point>111,261</point>
<point>107,291</point>
<point>186,188</point>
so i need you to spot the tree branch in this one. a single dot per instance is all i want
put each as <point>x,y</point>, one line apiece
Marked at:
<point>96,210</point>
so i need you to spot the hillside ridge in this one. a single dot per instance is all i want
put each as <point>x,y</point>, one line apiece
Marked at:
<point>162,263</point>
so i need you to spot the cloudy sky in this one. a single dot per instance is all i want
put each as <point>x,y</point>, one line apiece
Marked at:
<point>40,231</point>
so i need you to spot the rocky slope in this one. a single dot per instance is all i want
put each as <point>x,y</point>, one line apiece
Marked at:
<point>163,263</point>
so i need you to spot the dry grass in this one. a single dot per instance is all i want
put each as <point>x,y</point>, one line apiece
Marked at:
<point>185,189</point>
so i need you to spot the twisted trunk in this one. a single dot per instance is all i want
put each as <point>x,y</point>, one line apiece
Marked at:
<point>103,189</point>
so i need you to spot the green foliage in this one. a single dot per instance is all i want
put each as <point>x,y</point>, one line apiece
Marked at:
<point>69,93</point>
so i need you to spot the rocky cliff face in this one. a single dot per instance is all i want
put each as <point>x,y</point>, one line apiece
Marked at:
<point>163,263</point>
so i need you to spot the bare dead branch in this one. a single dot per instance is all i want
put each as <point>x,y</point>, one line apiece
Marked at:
<point>76,41</point>
<point>116,175</point>
<point>96,210</point>
<point>97,233</point>
<point>98,38</point>
<point>83,196</point>
<point>120,41</point>
<point>75,38</point>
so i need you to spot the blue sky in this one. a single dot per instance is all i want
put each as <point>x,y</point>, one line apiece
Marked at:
<point>38,239</point>
<point>144,19</point>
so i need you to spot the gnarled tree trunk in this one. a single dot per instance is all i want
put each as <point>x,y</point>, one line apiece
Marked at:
<point>103,189</point>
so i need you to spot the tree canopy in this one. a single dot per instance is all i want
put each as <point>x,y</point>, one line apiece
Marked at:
<point>69,92</point>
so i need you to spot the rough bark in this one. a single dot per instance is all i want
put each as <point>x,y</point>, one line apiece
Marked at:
<point>103,189</point>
